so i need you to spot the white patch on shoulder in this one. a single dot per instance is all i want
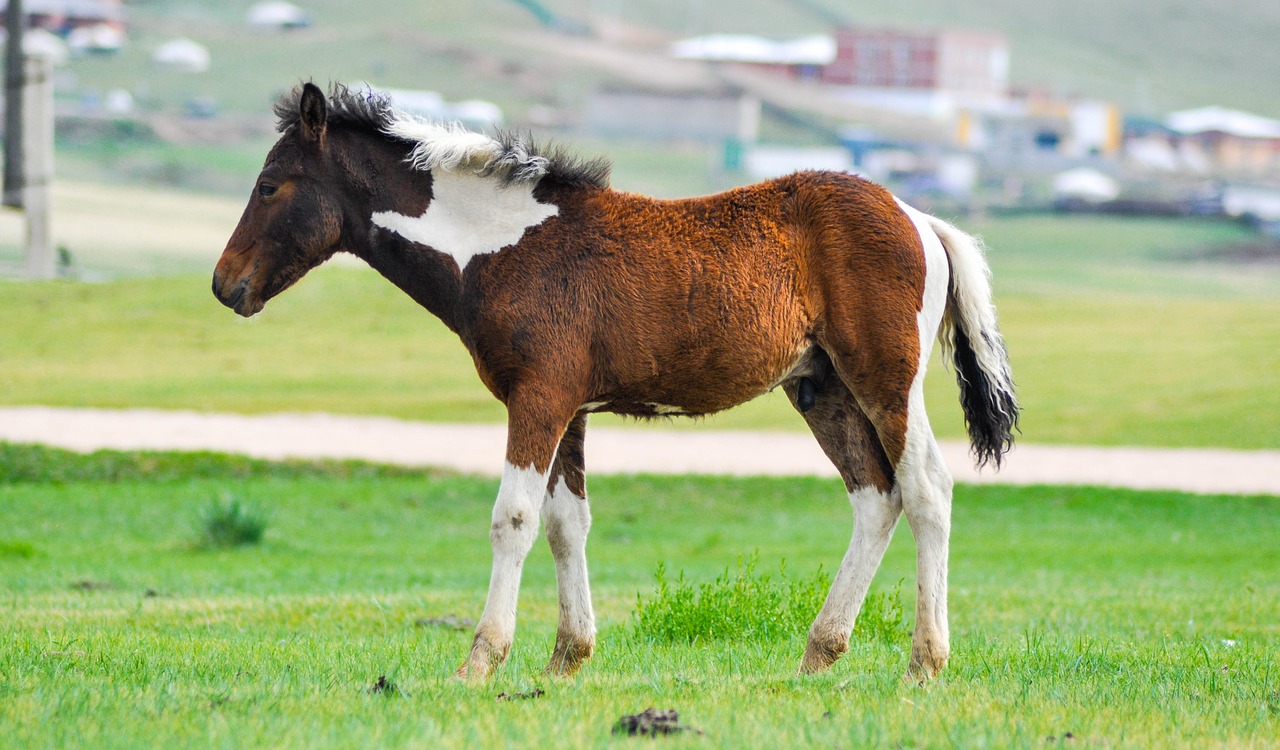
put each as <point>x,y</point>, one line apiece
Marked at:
<point>937,278</point>
<point>470,215</point>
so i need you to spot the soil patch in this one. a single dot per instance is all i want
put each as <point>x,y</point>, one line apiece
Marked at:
<point>651,723</point>
<point>383,686</point>
<point>531,695</point>
<point>1246,252</point>
<point>449,622</point>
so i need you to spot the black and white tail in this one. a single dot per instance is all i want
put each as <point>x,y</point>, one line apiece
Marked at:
<point>969,332</point>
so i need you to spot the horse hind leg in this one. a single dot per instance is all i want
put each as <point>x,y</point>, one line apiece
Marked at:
<point>567,518</point>
<point>926,485</point>
<point>849,440</point>
<point>891,394</point>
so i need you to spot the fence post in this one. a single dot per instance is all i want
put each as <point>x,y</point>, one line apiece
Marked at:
<point>42,261</point>
<point>14,75</point>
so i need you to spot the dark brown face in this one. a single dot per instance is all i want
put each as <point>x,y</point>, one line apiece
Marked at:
<point>291,225</point>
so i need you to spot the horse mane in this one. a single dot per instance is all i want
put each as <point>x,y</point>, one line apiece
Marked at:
<point>508,156</point>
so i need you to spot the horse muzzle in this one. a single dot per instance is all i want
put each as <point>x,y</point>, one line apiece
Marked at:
<point>237,297</point>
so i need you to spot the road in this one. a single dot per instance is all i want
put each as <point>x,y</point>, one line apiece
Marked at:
<point>479,449</point>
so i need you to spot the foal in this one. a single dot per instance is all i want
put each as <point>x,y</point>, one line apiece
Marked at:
<point>573,298</point>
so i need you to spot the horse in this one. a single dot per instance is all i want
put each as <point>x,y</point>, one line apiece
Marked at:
<point>573,298</point>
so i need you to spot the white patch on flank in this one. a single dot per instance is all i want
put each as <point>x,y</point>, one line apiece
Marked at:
<point>591,405</point>
<point>665,409</point>
<point>971,289</point>
<point>470,215</point>
<point>937,275</point>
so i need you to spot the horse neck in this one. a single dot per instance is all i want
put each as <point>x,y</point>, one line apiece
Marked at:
<point>430,278</point>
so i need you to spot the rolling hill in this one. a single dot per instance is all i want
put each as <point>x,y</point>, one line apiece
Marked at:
<point>1151,56</point>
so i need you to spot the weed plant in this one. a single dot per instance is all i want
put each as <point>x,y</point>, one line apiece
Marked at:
<point>229,523</point>
<point>746,605</point>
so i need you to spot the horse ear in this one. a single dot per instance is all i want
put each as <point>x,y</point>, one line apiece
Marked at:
<point>314,112</point>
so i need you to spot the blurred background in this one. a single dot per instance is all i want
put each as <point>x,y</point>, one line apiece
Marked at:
<point>1121,158</point>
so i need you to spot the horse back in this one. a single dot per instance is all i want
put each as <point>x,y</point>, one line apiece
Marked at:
<point>694,304</point>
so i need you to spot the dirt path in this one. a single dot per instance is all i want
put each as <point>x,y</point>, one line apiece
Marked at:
<point>479,449</point>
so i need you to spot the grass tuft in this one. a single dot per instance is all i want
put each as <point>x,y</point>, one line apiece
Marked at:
<point>227,524</point>
<point>738,605</point>
<point>882,617</point>
<point>15,549</point>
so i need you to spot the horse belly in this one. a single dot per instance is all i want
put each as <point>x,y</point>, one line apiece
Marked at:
<point>705,366</point>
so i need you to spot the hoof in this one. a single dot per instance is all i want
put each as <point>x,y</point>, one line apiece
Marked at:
<point>569,655</point>
<point>483,660</point>
<point>927,660</point>
<point>821,653</point>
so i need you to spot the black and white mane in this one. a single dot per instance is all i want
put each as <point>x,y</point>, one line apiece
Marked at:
<point>508,156</point>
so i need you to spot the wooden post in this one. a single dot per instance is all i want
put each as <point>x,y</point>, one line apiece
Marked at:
<point>28,142</point>
<point>13,84</point>
<point>37,125</point>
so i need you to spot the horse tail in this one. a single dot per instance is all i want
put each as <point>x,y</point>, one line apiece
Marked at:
<point>970,335</point>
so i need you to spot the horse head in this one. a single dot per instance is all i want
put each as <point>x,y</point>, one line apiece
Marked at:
<point>293,221</point>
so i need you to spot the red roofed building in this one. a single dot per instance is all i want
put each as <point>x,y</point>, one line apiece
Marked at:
<point>967,63</point>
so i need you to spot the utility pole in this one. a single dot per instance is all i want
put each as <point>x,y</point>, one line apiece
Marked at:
<point>14,80</point>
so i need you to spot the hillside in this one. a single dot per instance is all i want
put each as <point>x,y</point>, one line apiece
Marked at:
<point>1150,55</point>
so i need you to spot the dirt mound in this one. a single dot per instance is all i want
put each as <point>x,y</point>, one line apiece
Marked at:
<point>651,723</point>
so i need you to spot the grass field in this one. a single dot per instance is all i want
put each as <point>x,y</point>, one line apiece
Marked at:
<point>1118,619</point>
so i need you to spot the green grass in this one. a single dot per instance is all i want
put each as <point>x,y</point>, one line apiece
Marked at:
<point>1127,619</point>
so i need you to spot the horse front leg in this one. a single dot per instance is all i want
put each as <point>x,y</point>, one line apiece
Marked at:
<point>534,429</point>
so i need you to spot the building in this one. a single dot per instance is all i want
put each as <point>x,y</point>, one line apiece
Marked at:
<point>64,16</point>
<point>802,58</point>
<point>1227,141</point>
<point>87,26</point>
<point>970,68</point>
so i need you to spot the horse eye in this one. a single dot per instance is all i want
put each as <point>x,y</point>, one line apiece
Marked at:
<point>266,189</point>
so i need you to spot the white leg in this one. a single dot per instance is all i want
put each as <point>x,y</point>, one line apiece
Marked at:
<point>512,533</point>
<point>875,516</point>
<point>568,520</point>
<point>923,478</point>
<point>926,484</point>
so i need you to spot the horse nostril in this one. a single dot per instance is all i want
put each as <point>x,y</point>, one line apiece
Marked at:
<point>237,296</point>
<point>230,297</point>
